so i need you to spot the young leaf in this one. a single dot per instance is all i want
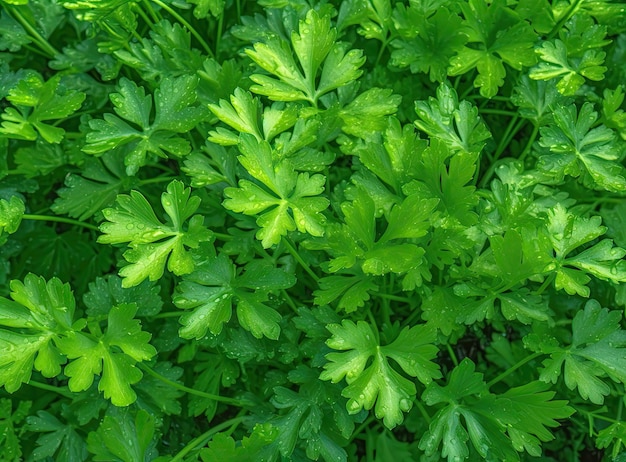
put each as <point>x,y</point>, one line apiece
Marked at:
<point>497,37</point>
<point>121,438</point>
<point>37,102</point>
<point>153,243</point>
<point>380,383</point>
<point>456,124</point>
<point>324,65</point>
<point>174,113</point>
<point>11,213</point>
<point>112,356</point>
<point>596,351</point>
<point>212,289</point>
<point>581,151</point>
<point>294,201</point>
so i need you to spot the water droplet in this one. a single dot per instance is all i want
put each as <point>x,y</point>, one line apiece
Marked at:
<point>130,226</point>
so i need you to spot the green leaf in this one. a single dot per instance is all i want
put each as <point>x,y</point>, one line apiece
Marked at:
<point>120,437</point>
<point>555,63</point>
<point>456,124</point>
<point>380,383</point>
<point>496,434</point>
<point>113,356</point>
<point>533,406</point>
<point>293,203</point>
<point>427,44</point>
<point>83,196</point>
<point>323,65</point>
<point>35,103</point>
<point>106,292</point>
<point>603,260</point>
<point>174,113</point>
<point>57,439</point>
<point>581,151</point>
<point>211,290</point>
<point>497,37</point>
<point>223,447</point>
<point>153,243</point>
<point>11,429</point>
<point>11,213</point>
<point>596,351</point>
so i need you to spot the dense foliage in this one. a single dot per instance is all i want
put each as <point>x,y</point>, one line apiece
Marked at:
<point>332,230</point>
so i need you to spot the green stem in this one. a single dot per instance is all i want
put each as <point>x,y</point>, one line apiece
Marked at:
<point>420,407</point>
<point>453,357</point>
<point>290,301</point>
<point>28,216</point>
<point>148,6</point>
<point>294,253</point>
<point>189,27</point>
<point>205,437</point>
<point>499,112</point>
<point>598,416</point>
<point>395,298</point>
<point>513,368</point>
<point>529,144</point>
<point>167,314</point>
<point>361,427</point>
<point>568,14</point>
<point>42,42</point>
<point>223,237</point>
<point>162,179</point>
<point>511,130</point>
<point>191,391</point>
<point>44,386</point>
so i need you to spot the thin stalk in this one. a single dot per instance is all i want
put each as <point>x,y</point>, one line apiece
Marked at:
<point>294,253</point>
<point>289,301</point>
<point>452,354</point>
<point>598,416</point>
<point>191,391</point>
<point>420,407</point>
<point>28,216</point>
<point>361,427</point>
<point>63,391</point>
<point>154,14</point>
<point>223,237</point>
<point>529,144</point>
<point>395,298</point>
<point>42,42</point>
<point>189,27</point>
<point>162,179</point>
<point>206,436</point>
<point>167,314</point>
<point>513,368</point>
<point>511,130</point>
<point>569,13</point>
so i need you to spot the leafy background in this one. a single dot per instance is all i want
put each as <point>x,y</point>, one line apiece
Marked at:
<point>329,230</point>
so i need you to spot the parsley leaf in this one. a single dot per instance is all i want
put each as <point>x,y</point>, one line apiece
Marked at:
<point>173,114</point>
<point>314,44</point>
<point>153,243</point>
<point>293,199</point>
<point>596,351</point>
<point>37,102</point>
<point>581,151</point>
<point>496,37</point>
<point>456,124</point>
<point>215,285</point>
<point>380,383</point>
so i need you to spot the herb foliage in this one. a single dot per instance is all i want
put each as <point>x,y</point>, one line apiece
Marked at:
<point>312,230</point>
